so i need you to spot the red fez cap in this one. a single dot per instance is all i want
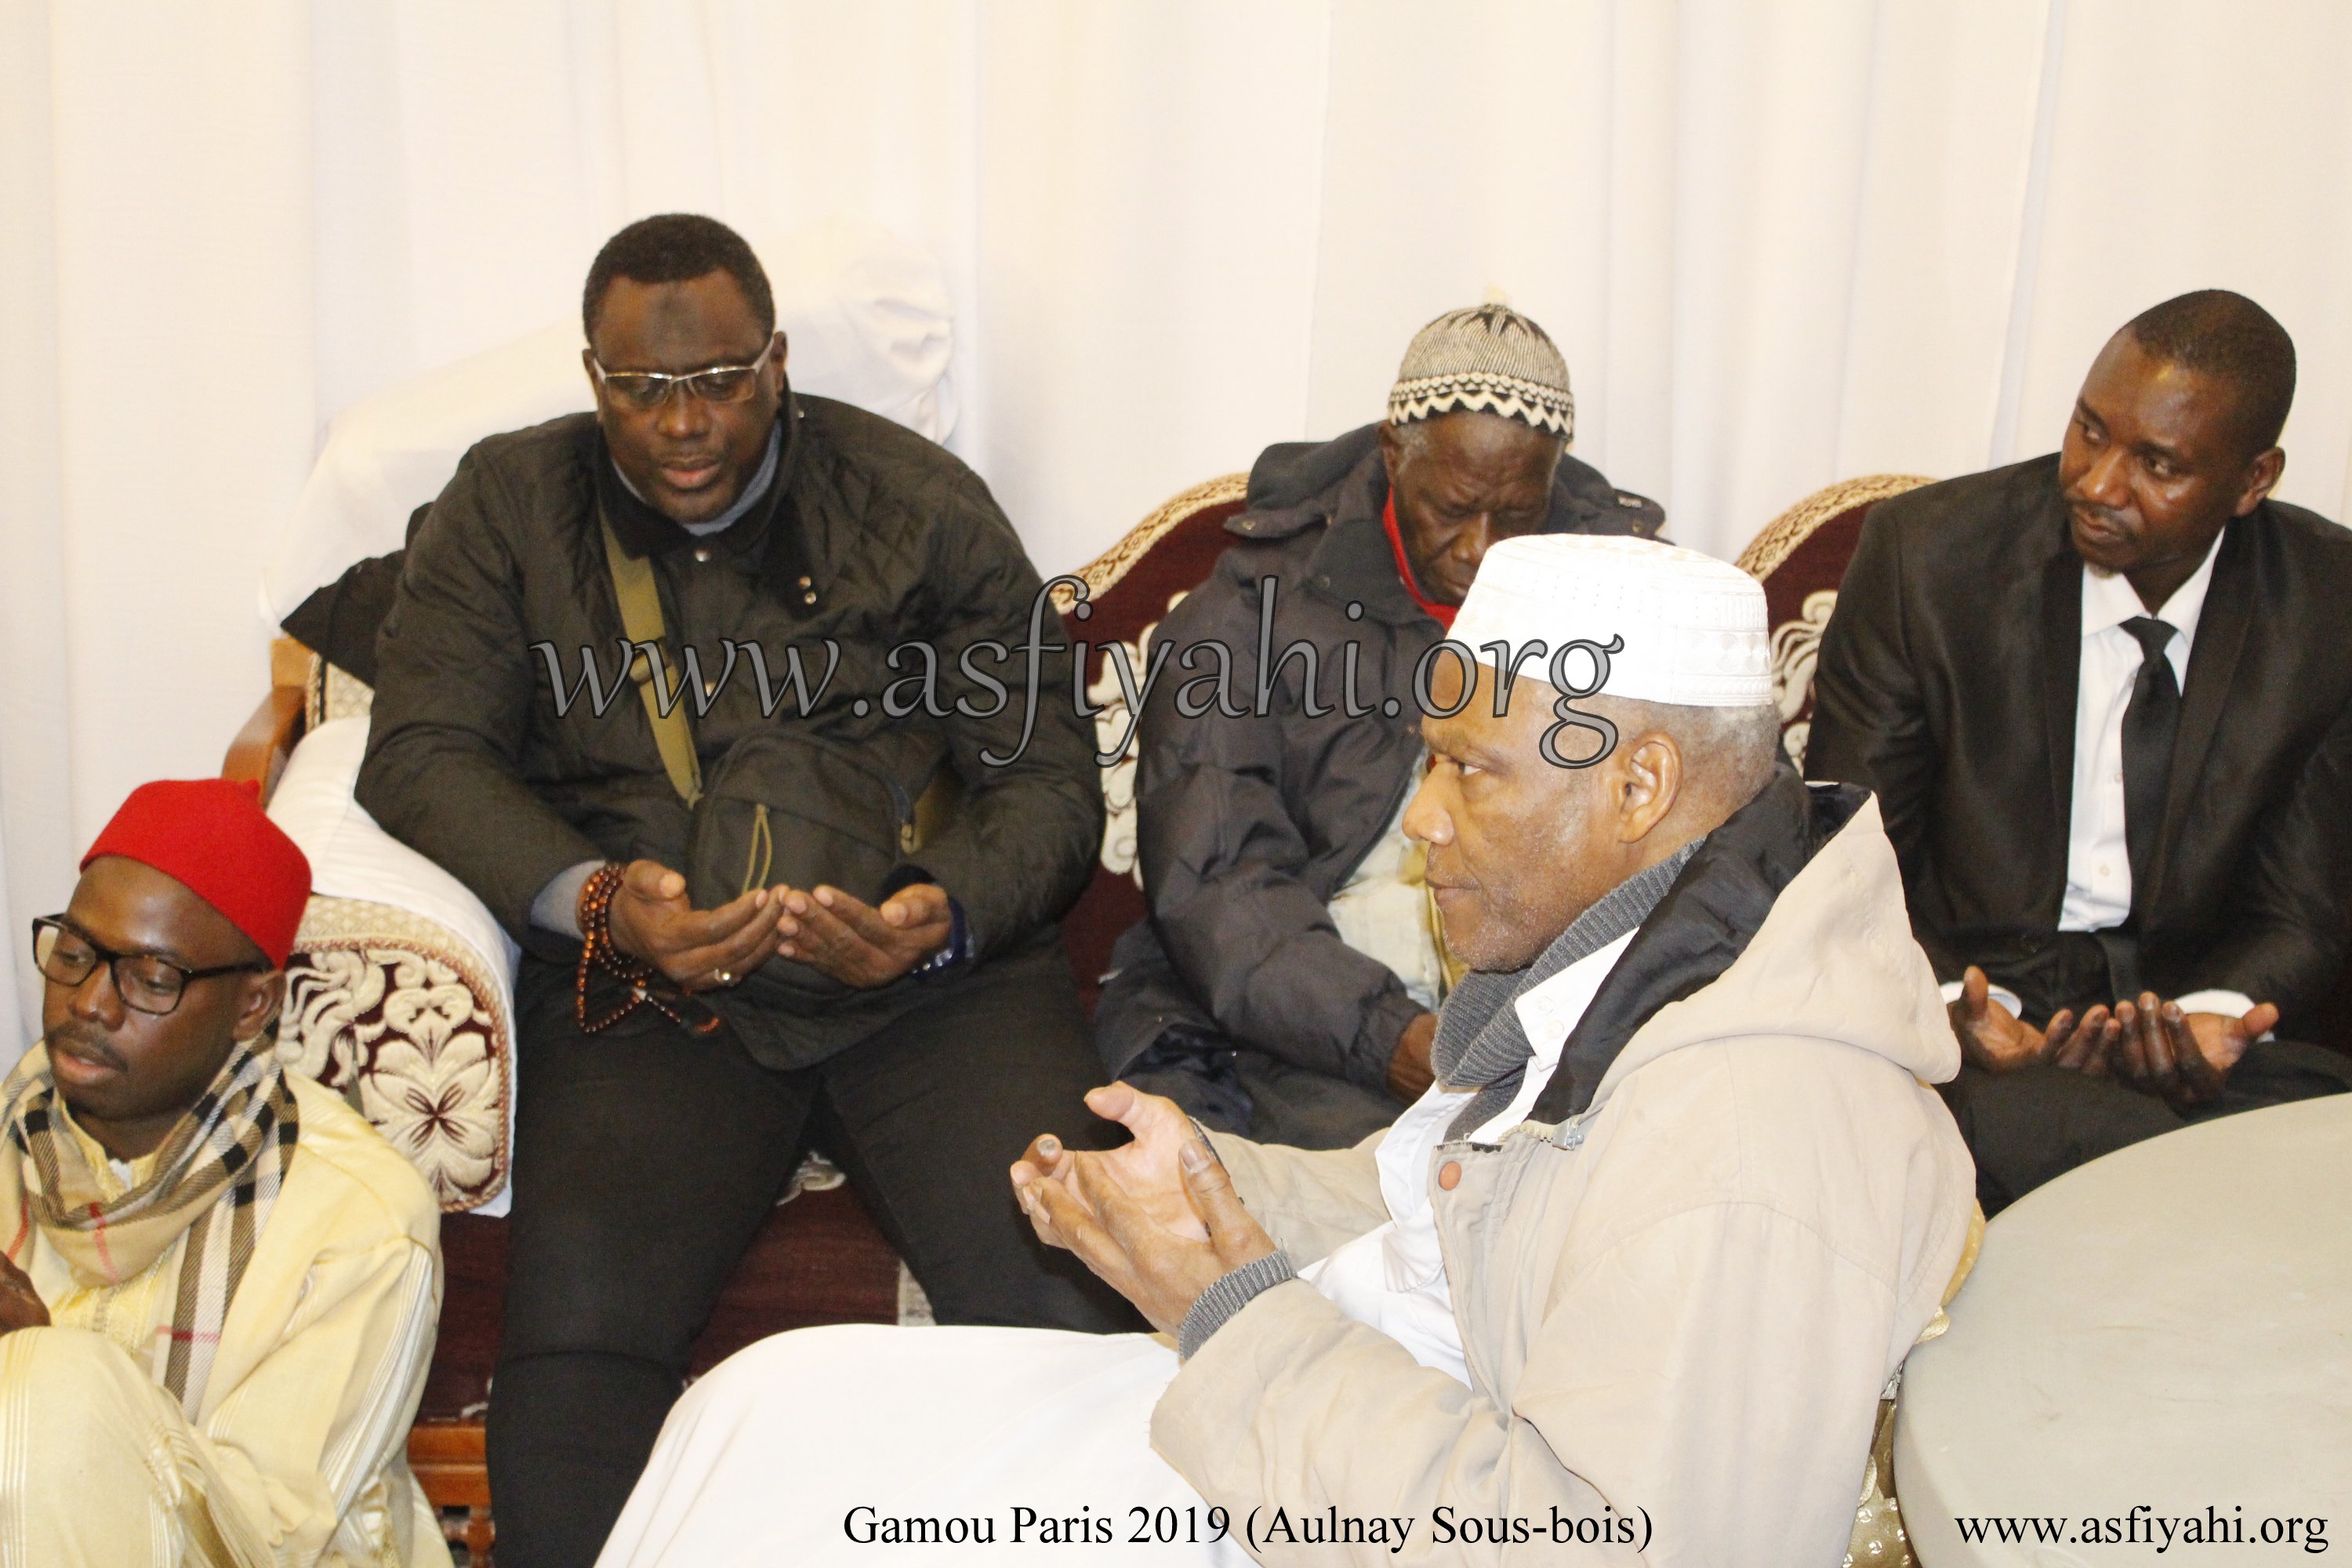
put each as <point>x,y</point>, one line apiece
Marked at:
<point>212,837</point>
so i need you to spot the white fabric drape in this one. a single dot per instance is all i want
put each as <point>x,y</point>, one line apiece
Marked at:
<point>1780,245</point>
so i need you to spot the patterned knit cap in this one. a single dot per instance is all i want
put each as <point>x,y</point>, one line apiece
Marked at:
<point>1491,358</point>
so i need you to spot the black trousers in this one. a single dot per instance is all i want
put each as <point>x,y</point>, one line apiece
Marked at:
<point>2026,1127</point>
<point>645,1160</point>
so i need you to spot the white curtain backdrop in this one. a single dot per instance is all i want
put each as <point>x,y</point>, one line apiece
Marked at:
<point>1780,244</point>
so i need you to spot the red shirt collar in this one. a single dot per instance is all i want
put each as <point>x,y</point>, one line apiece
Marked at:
<point>1441,613</point>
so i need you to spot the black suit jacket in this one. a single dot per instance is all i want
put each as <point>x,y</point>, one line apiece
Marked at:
<point>1947,683</point>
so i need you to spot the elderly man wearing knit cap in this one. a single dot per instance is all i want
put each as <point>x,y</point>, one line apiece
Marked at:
<point>1286,981</point>
<point>1626,1284</point>
<point>219,1285</point>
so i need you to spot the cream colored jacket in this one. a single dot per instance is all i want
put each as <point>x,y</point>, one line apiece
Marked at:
<point>303,1435</point>
<point>1680,1307</point>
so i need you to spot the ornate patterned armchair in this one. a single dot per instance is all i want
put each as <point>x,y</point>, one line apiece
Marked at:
<point>1801,558</point>
<point>1129,587</point>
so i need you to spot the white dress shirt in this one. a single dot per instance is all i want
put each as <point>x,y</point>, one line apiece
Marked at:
<point>2098,861</point>
<point>2099,865</point>
<point>1394,1277</point>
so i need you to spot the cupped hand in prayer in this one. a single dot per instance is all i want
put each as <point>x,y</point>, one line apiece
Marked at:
<point>2184,1058</point>
<point>1148,1168</point>
<point>1996,1039</point>
<point>858,944</point>
<point>1157,1219</point>
<point>651,919</point>
<point>21,1306</point>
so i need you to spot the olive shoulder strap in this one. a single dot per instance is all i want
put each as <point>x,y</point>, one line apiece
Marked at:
<point>641,616</point>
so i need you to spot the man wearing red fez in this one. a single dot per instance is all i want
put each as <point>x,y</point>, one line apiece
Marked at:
<point>219,1284</point>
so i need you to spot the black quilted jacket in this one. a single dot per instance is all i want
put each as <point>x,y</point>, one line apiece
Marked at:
<point>875,538</point>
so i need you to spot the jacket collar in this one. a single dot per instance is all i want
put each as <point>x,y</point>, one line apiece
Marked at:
<point>2061,652</point>
<point>1353,563</point>
<point>1340,486</point>
<point>2221,628</point>
<point>1704,923</point>
<point>772,527</point>
<point>1483,1034</point>
<point>644,528</point>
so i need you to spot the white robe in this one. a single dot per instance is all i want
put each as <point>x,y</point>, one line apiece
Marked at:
<point>796,1446</point>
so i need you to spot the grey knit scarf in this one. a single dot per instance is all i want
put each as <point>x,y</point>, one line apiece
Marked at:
<point>1480,1044</point>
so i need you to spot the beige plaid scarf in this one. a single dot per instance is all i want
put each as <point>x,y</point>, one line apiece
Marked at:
<point>214,1180</point>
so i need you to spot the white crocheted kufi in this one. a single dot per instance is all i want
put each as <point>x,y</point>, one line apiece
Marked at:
<point>1489,358</point>
<point>1693,627</point>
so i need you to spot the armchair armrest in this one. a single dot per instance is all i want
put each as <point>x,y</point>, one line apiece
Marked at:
<point>260,751</point>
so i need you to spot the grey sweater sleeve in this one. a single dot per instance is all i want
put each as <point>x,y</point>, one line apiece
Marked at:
<point>1216,1305</point>
<point>557,907</point>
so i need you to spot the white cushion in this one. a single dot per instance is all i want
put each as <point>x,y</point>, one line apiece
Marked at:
<point>351,858</point>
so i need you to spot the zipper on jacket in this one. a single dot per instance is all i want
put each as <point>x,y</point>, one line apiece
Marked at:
<point>904,805</point>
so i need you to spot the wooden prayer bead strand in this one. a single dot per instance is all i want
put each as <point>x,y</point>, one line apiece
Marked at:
<point>598,952</point>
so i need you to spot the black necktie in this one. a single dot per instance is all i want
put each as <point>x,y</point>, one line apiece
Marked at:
<point>2150,724</point>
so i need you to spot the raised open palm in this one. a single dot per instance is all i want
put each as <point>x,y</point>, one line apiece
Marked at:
<point>1147,1169</point>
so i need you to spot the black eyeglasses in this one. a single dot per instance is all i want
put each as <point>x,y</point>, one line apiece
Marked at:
<point>144,981</point>
<point>646,390</point>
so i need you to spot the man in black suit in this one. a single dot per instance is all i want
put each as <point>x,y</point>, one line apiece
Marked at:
<point>2105,700</point>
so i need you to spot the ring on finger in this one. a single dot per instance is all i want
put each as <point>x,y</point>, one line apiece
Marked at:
<point>722,977</point>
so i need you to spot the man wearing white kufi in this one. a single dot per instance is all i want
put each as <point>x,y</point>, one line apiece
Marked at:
<point>1629,1281</point>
